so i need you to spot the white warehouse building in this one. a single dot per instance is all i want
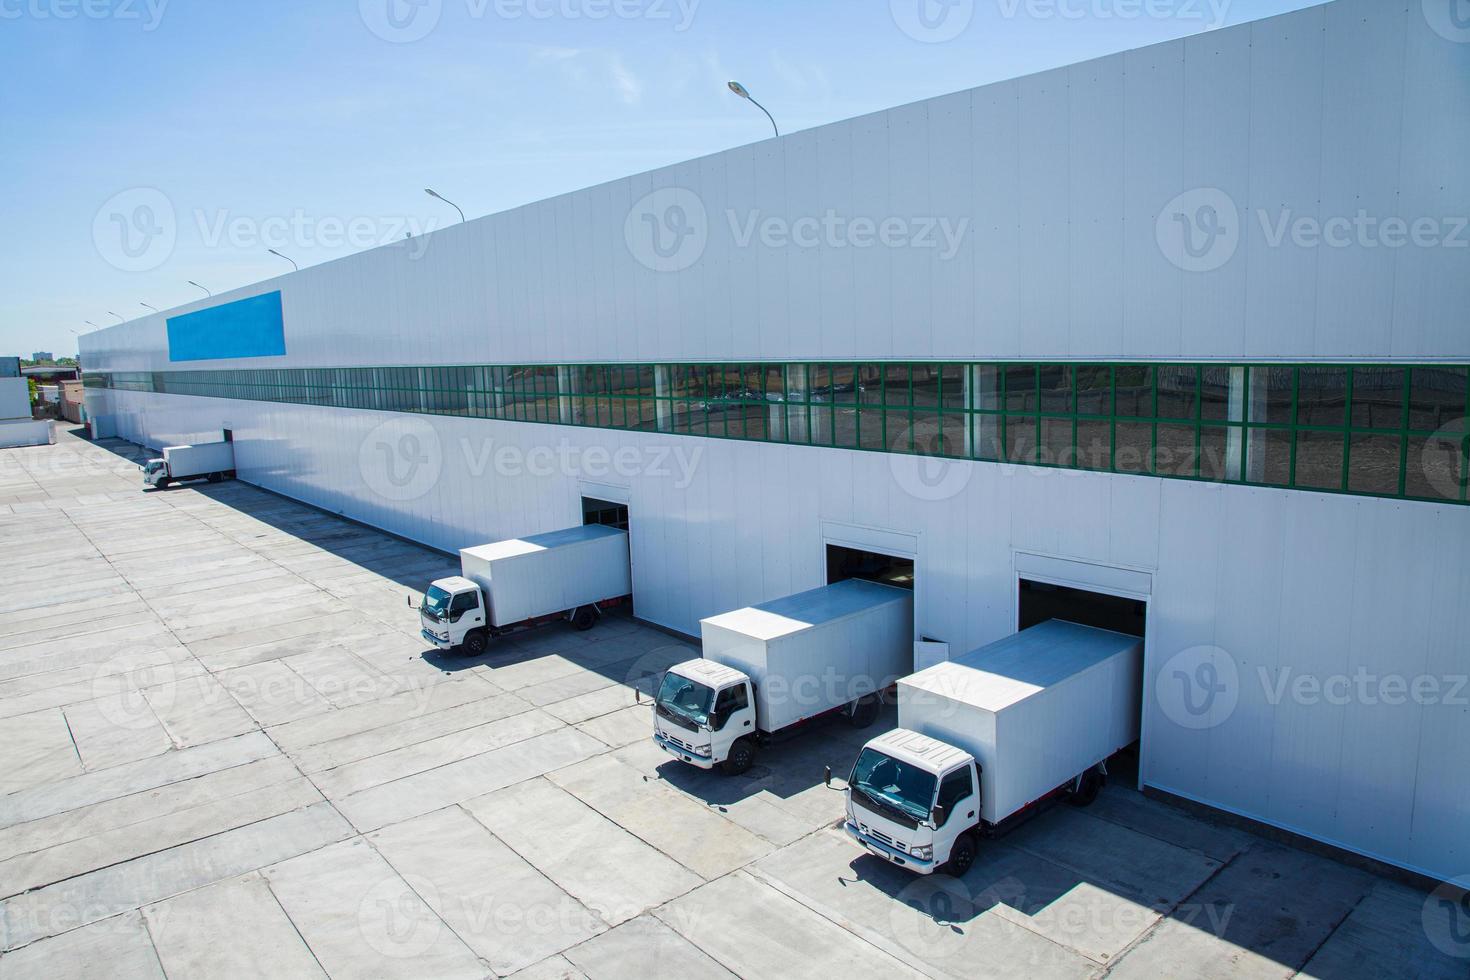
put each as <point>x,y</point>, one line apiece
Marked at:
<point>1174,340</point>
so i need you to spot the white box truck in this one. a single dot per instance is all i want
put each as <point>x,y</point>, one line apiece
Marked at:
<point>571,574</point>
<point>766,669</point>
<point>212,461</point>
<point>983,739</point>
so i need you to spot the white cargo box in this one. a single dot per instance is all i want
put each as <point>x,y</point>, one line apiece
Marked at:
<point>811,652</point>
<point>549,573</point>
<point>14,435</point>
<point>15,399</point>
<point>1034,709</point>
<point>198,460</point>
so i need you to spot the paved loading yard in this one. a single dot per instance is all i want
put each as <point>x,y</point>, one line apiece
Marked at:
<point>227,753</point>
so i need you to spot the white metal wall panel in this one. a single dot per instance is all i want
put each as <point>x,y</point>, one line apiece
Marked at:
<point>1096,194</point>
<point>1285,180</point>
<point>1363,92</point>
<point>1216,154</point>
<point>1154,171</point>
<point>1431,288</point>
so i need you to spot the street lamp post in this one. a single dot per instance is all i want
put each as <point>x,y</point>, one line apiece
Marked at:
<point>435,194</point>
<point>147,306</point>
<point>286,257</point>
<point>118,315</point>
<point>197,286</point>
<point>740,90</point>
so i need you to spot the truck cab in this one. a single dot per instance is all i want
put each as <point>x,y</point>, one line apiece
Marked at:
<point>704,714</point>
<point>452,608</point>
<point>155,472</point>
<point>914,801</point>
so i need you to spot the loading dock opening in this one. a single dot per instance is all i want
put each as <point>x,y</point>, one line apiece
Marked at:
<point>1041,601</point>
<point>604,512</point>
<point>845,563</point>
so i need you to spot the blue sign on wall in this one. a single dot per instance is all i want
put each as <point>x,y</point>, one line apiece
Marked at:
<point>250,327</point>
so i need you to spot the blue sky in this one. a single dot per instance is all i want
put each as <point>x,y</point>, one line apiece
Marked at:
<point>314,125</point>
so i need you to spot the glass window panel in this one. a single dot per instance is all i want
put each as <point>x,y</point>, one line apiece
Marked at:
<point>892,387</point>
<point>926,384</point>
<point>872,423</point>
<point>1020,387</point>
<point>953,428</point>
<point>1373,466</point>
<point>1437,399</point>
<point>1177,396</point>
<point>1321,396</point>
<point>1378,398</point>
<point>925,431</point>
<point>1134,446</point>
<point>1219,450</point>
<point>1435,467</point>
<point>987,437</point>
<point>1319,460</point>
<point>1056,442</point>
<point>1270,394</point>
<point>1056,388</point>
<point>987,387</point>
<point>953,386</point>
<point>803,420</point>
<point>1094,390</point>
<point>1020,439</point>
<point>1094,444</point>
<point>1135,392</point>
<point>648,414</point>
<point>1216,384</point>
<point>1268,456</point>
<point>844,393</point>
<point>1175,453</point>
<point>759,420</point>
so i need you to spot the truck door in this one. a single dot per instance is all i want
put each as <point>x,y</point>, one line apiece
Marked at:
<point>961,809</point>
<point>466,612</point>
<point>732,718</point>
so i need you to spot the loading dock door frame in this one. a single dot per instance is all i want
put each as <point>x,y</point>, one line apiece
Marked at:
<point>894,544</point>
<point>1113,580</point>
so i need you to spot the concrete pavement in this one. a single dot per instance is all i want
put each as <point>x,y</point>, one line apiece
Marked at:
<point>227,752</point>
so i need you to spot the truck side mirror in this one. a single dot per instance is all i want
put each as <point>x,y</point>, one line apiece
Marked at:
<point>937,815</point>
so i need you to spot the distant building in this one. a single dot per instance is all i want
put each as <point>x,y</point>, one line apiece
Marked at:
<point>9,367</point>
<point>43,355</point>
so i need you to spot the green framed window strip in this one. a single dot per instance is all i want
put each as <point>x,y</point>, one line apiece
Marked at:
<point>1379,430</point>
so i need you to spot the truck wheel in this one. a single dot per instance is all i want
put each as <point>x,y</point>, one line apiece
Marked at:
<point>742,756</point>
<point>474,643</point>
<point>961,856</point>
<point>584,619</point>
<point>1086,793</point>
<point>163,484</point>
<point>863,712</point>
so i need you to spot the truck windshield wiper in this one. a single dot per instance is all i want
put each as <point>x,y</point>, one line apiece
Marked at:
<point>887,806</point>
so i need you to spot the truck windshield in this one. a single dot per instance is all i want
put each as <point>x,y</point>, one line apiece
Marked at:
<point>680,699</point>
<point>436,602</point>
<point>893,785</point>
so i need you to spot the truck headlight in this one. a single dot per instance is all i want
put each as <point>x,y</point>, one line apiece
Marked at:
<point>703,751</point>
<point>923,852</point>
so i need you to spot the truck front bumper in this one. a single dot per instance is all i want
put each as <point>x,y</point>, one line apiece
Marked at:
<point>438,643</point>
<point>681,753</point>
<point>889,854</point>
